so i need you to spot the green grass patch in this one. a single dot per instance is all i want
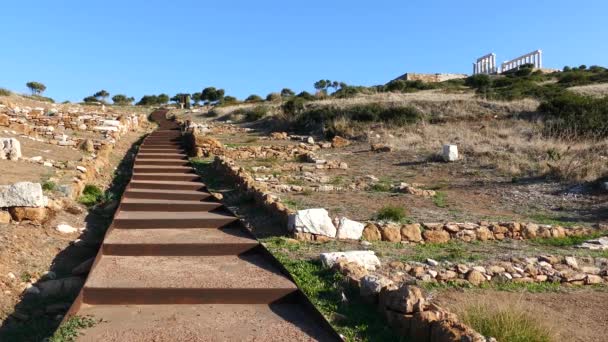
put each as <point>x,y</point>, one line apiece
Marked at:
<point>392,213</point>
<point>566,241</point>
<point>508,323</point>
<point>91,195</point>
<point>542,218</point>
<point>337,180</point>
<point>70,329</point>
<point>292,204</point>
<point>359,321</point>
<point>439,199</point>
<point>49,186</point>
<point>454,251</point>
<point>381,187</point>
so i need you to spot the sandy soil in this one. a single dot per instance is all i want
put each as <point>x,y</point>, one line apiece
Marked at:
<point>579,316</point>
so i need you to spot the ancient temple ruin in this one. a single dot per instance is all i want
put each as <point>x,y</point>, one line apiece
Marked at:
<point>487,64</point>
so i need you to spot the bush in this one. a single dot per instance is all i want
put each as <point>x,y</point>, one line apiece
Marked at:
<point>253,98</point>
<point>408,86</point>
<point>91,195</point>
<point>576,116</point>
<point>293,106</point>
<point>5,92</point>
<point>506,324</point>
<point>256,113</point>
<point>49,186</point>
<point>391,213</point>
<point>307,96</point>
<point>273,97</point>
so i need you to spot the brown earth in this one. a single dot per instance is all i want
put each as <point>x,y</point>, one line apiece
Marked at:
<point>578,316</point>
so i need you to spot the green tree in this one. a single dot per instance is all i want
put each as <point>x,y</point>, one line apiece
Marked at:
<point>121,99</point>
<point>101,95</point>
<point>229,99</point>
<point>196,97</point>
<point>254,98</point>
<point>273,97</point>
<point>36,88</point>
<point>90,99</point>
<point>162,99</point>
<point>321,85</point>
<point>212,95</point>
<point>286,92</point>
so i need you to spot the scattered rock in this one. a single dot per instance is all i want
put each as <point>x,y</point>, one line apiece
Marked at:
<point>391,233</point>
<point>314,221</point>
<point>367,259</point>
<point>476,278</point>
<point>5,217</point>
<point>66,229</point>
<point>371,285</point>
<point>371,233</point>
<point>407,299</point>
<point>381,148</point>
<point>10,148</point>
<point>349,229</point>
<point>22,194</point>
<point>28,214</point>
<point>436,236</point>
<point>411,232</point>
<point>450,153</point>
<point>338,142</point>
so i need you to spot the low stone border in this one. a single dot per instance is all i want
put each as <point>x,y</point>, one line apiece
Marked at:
<point>406,308</point>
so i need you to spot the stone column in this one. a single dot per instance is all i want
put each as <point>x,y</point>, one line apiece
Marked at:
<point>540,59</point>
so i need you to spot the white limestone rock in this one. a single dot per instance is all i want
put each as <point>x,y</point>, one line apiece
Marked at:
<point>10,148</point>
<point>313,221</point>
<point>371,285</point>
<point>367,259</point>
<point>66,229</point>
<point>349,229</point>
<point>450,153</point>
<point>22,194</point>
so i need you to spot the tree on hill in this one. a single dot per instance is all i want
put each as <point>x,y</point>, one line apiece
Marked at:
<point>149,100</point>
<point>90,99</point>
<point>121,99</point>
<point>211,94</point>
<point>182,99</point>
<point>101,95</point>
<point>273,97</point>
<point>196,97</point>
<point>286,92</point>
<point>162,99</point>
<point>36,88</point>
<point>229,100</point>
<point>254,98</point>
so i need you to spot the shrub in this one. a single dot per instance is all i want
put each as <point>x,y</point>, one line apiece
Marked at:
<point>273,97</point>
<point>256,113</point>
<point>253,98</point>
<point>391,213</point>
<point>306,96</point>
<point>293,106</point>
<point>506,324</point>
<point>5,92</point>
<point>91,195</point>
<point>49,186</point>
<point>575,115</point>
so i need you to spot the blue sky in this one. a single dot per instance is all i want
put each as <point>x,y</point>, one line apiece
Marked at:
<point>147,47</point>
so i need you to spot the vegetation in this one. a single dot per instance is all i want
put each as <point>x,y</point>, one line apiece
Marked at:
<point>36,88</point>
<point>358,320</point>
<point>286,92</point>
<point>566,241</point>
<point>122,100</point>
<point>91,195</point>
<point>573,115</point>
<point>392,213</point>
<point>154,100</point>
<point>273,97</point>
<point>454,251</point>
<point>101,95</point>
<point>49,186</point>
<point>5,92</point>
<point>256,113</point>
<point>70,330</point>
<point>508,323</point>
<point>253,98</point>
<point>439,199</point>
<point>212,95</point>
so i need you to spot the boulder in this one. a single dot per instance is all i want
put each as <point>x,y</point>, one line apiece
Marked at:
<point>314,221</point>
<point>367,259</point>
<point>484,234</point>
<point>476,278</point>
<point>381,148</point>
<point>371,285</point>
<point>353,271</point>
<point>23,194</point>
<point>66,229</point>
<point>407,299</point>
<point>436,236</point>
<point>338,142</point>
<point>349,229</point>
<point>10,148</point>
<point>391,233</point>
<point>450,153</point>
<point>411,232</point>
<point>4,120</point>
<point>35,214</point>
<point>371,233</point>
<point>88,146</point>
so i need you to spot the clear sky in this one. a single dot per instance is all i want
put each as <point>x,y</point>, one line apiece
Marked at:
<point>139,47</point>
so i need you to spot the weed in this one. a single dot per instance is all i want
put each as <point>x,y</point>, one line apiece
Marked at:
<point>291,204</point>
<point>70,330</point>
<point>439,199</point>
<point>392,213</point>
<point>49,186</point>
<point>359,321</point>
<point>451,251</point>
<point>566,241</point>
<point>338,180</point>
<point>381,187</point>
<point>510,323</point>
<point>91,195</point>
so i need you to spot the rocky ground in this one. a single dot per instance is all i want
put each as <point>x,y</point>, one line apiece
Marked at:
<point>357,179</point>
<point>43,261</point>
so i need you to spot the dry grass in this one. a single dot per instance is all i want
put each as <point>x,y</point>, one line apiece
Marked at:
<point>513,323</point>
<point>595,90</point>
<point>514,147</point>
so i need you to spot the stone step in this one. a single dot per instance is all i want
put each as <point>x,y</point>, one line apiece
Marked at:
<point>156,154</point>
<point>227,279</point>
<point>166,185</point>
<point>146,204</point>
<point>163,194</point>
<point>176,242</point>
<point>182,177</point>
<point>143,167</point>
<point>203,322</point>
<point>158,162</point>
<point>185,219</point>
